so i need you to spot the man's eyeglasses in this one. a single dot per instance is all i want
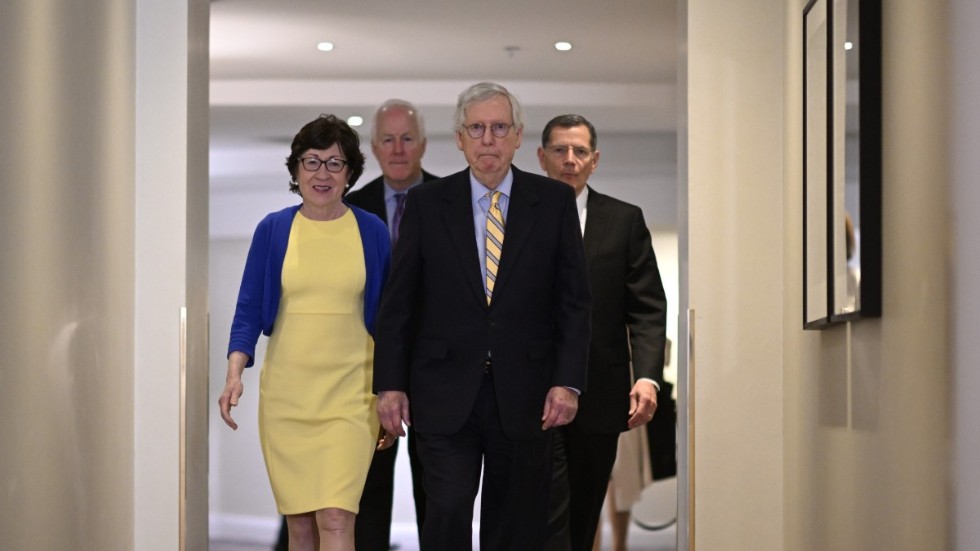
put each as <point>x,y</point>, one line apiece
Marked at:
<point>333,164</point>
<point>477,129</point>
<point>561,151</point>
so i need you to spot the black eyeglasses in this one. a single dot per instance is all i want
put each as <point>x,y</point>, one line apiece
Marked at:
<point>477,129</point>
<point>333,164</point>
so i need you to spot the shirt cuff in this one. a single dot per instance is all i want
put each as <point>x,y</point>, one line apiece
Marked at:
<point>655,383</point>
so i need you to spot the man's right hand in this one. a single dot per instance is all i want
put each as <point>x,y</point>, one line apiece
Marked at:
<point>393,411</point>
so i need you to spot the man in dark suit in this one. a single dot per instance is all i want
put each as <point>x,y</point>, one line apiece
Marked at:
<point>629,320</point>
<point>482,346</point>
<point>398,143</point>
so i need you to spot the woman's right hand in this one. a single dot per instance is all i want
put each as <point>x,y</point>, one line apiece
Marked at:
<point>386,440</point>
<point>233,387</point>
<point>229,399</point>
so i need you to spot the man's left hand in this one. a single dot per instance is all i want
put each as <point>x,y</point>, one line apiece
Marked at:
<point>643,403</point>
<point>559,407</point>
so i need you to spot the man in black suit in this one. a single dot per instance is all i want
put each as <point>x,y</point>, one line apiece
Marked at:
<point>484,355</point>
<point>629,320</point>
<point>398,143</point>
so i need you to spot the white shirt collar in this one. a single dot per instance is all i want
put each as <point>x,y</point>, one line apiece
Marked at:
<point>582,202</point>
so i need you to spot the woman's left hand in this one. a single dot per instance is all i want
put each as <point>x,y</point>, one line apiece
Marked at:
<point>386,439</point>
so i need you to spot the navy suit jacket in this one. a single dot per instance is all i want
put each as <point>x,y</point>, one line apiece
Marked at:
<point>435,328</point>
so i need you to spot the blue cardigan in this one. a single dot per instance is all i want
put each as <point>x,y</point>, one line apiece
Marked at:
<point>258,297</point>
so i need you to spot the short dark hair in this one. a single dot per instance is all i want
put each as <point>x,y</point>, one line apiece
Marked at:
<point>569,121</point>
<point>321,133</point>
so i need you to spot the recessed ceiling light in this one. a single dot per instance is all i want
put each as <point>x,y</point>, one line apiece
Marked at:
<point>848,45</point>
<point>355,121</point>
<point>324,46</point>
<point>563,46</point>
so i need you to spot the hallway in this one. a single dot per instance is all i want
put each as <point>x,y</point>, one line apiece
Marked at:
<point>639,540</point>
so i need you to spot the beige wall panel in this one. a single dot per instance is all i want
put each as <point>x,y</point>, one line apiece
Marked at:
<point>735,222</point>
<point>867,405</point>
<point>834,439</point>
<point>75,282</point>
<point>66,293</point>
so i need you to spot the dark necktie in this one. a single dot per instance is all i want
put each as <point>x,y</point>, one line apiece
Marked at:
<point>396,218</point>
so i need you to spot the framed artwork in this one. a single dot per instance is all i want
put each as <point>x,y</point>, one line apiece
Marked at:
<point>841,161</point>
<point>816,164</point>
<point>856,173</point>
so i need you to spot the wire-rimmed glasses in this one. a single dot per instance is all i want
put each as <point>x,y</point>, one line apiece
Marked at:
<point>477,129</point>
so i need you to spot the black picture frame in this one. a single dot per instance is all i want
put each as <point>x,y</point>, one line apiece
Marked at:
<point>842,183</point>
<point>856,176</point>
<point>817,163</point>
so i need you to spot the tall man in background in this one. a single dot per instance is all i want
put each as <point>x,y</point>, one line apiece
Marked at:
<point>398,143</point>
<point>629,321</point>
<point>483,332</point>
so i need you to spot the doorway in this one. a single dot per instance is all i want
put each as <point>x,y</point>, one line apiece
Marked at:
<point>257,105</point>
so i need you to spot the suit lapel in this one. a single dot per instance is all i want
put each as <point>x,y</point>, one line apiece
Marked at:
<point>520,224</point>
<point>458,216</point>
<point>378,202</point>
<point>595,226</point>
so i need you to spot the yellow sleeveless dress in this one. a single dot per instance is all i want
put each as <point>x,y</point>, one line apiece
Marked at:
<point>317,419</point>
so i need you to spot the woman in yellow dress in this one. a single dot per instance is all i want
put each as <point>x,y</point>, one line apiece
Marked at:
<point>312,282</point>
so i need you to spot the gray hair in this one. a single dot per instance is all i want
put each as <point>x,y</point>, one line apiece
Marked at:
<point>408,106</point>
<point>483,91</point>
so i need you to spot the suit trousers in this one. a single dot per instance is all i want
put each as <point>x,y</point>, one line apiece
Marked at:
<point>582,466</point>
<point>516,483</point>
<point>372,529</point>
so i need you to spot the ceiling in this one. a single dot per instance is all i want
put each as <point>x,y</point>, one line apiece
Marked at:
<point>268,78</point>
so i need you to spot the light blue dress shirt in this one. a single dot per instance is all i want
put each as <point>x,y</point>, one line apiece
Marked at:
<point>391,203</point>
<point>481,204</point>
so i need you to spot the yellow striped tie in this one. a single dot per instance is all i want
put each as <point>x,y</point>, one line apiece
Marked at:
<point>495,240</point>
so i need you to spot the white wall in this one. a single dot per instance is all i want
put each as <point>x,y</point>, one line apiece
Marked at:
<point>241,498</point>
